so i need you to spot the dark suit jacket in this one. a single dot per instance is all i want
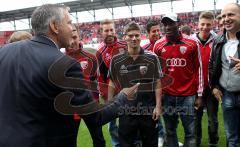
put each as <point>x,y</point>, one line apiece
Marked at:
<point>27,114</point>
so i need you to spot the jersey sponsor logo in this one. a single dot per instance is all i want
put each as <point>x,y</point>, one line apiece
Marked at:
<point>84,64</point>
<point>143,70</point>
<point>183,49</point>
<point>123,69</point>
<point>176,62</point>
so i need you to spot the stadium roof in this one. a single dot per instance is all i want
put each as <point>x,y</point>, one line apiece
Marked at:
<point>78,6</point>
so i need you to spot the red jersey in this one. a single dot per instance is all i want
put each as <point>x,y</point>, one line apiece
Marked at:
<point>88,63</point>
<point>183,63</point>
<point>149,46</point>
<point>104,55</point>
<point>205,50</point>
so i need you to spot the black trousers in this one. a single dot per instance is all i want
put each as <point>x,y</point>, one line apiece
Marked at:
<point>211,103</point>
<point>132,125</point>
<point>96,135</point>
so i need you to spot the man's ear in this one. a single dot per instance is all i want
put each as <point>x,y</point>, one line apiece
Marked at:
<point>54,27</point>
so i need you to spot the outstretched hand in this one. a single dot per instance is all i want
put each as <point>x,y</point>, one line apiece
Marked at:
<point>130,91</point>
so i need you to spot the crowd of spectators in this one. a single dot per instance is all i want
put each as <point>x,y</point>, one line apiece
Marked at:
<point>89,32</point>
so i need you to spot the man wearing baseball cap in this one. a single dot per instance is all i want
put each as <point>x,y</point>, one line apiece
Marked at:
<point>172,16</point>
<point>183,64</point>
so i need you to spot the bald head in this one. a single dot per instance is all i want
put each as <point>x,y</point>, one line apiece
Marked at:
<point>231,17</point>
<point>232,6</point>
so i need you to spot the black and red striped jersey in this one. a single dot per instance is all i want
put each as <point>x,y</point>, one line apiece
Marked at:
<point>104,56</point>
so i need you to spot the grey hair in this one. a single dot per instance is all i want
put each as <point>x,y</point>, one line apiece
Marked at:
<point>43,15</point>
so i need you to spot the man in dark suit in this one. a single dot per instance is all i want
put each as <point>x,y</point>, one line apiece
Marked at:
<point>35,90</point>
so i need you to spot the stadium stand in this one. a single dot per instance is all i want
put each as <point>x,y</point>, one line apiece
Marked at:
<point>89,32</point>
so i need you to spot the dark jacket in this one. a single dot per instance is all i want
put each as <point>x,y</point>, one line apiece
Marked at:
<point>28,117</point>
<point>215,63</point>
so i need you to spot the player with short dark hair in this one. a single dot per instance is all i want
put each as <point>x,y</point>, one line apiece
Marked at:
<point>137,66</point>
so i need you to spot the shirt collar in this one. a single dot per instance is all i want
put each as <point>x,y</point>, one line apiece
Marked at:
<point>237,35</point>
<point>112,44</point>
<point>45,40</point>
<point>51,40</point>
<point>141,52</point>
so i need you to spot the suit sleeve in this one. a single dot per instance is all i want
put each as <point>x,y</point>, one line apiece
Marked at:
<point>81,96</point>
<point>105,114</point>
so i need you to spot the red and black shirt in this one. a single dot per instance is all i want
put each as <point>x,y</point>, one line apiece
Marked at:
<point>104,56</point>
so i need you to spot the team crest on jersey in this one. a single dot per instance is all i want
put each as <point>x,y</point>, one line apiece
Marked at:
<point>143,70</point>
<point>121,50</point>
<point>123,69</point>
<point>163,50</point>
<point>84,64</point>
<point>183,49</point>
